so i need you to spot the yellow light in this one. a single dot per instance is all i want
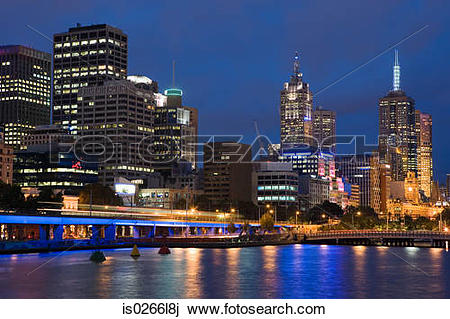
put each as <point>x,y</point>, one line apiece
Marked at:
<point>267,206</point>
<point>323,215</point>
<point>358,213</point>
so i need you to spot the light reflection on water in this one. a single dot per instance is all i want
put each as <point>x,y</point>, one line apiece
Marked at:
<point>296,271</point>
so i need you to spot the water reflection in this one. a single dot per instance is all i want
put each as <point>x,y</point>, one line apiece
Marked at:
<point>297,271</point>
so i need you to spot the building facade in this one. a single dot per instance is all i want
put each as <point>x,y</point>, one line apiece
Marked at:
<point>324,129</point>
<point>296,110</point>
<point>312,191</point>
<point>424,124</point>
<point>84,56</point>
<point>309,161</point>
<point>228,172</point>
<point>276,184</point>
<point>25,86</point>
<point>116,121</point>
<point>55,167</point>
<point>356,168</point>
<point>176,130</point>
<point>6,163</point>
<point>380,181</point>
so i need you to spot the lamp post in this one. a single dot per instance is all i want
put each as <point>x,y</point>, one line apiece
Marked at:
<point>296,215</point>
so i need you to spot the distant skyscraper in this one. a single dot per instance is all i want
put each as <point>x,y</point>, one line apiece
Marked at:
<point>176,130</point>
<point>324,128</point>
<point>397,140</point>
<point>448,187</point>
<point>84,56</point>
<point>296,110</point>
<point>25,75</point>
<point>424,125</point>
<point>356,168</point>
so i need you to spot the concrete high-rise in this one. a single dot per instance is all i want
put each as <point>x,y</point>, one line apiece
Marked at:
<point>397,132</point>
<point>296,110</point>
<point>424,124</point>
<point>228,173</point>
<point>84,56</point>
<point>324,128</point>
<point>116,120</point>
<point>380,182</point>
<point>25,76</point>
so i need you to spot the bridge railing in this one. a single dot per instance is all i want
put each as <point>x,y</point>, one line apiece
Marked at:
<point>336,234</point>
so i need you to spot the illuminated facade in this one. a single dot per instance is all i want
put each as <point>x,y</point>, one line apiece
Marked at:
<point>309,161</point>
<point>46,134</point>
<point>424,125</point>
<point>24,91</point>
<point>276,184</point>
<point>84,56</point>
<point>356,168</point>
<point>397,131</point>
<point>55,167</point>
<point>380,180</point>
<point>6,163</point>
<point>116,119</point>
<point>296,110</point>
<point>176,130</point>
<point>324,129</point>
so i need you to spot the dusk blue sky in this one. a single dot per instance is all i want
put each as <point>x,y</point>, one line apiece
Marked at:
<point>232,57</point>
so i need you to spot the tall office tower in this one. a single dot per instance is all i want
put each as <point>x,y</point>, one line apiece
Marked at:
<point>380,180</point>
<point>24,91</point>
<point>324,128</point>
<point>448,187</point>
<point>84,56</point>
<point>356,168</point>
<point>424,125</point>
<point>295,110</point>
<point>116,121</point>
<point>397,133</point>
<point>176,130</point>
<point>227,173</point>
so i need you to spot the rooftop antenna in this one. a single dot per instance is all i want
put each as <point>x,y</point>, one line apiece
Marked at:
<point>296,63</point>
<point>396,79</point>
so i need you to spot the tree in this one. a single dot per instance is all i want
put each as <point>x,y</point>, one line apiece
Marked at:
<point>267,222</point>
<point>231,227</point>
<point>48,199</point>
<point>11,197</point>
<point>101,195</point>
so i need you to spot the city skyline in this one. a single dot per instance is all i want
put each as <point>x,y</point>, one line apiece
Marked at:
<point>255,79</point>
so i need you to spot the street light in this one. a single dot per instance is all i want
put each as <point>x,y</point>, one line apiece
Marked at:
<point>296,214</point>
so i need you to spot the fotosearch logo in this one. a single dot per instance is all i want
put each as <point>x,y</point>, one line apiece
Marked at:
<point>152,149</point>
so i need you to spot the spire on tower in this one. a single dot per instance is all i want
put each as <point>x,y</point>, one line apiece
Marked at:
<point>396,80</point>
<point>296,63</point>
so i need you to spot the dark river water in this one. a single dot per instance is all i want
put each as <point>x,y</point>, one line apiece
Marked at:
<point>296,271</point>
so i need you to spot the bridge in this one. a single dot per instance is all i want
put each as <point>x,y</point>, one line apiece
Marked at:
<point>117,222</point>
<point>385,238</point>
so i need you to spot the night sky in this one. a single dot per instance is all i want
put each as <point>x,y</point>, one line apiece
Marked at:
<point>232,57</point>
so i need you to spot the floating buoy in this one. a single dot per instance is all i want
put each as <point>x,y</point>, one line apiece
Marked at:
<point>164,250</point>
<point>135,252</point>
<point>98,257</point>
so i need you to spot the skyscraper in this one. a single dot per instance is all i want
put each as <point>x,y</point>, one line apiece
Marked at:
<point>324,128</point>
<point>295,110</point>
<point>24,91</point>
<point>176,129</point>
<point>424,125</point>
<point>397,132</point>
<point>116,121</point>
<point>380,181</point>
<point>84,56</point>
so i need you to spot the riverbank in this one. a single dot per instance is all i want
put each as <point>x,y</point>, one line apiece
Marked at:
<point>16,247</point>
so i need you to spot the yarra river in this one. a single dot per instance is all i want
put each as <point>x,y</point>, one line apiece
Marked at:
<point>295,271</point>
